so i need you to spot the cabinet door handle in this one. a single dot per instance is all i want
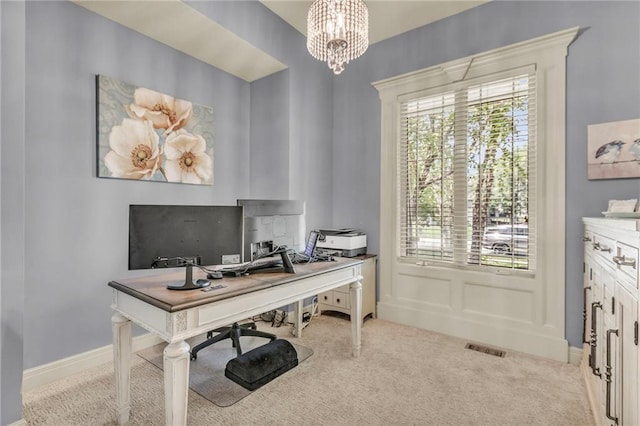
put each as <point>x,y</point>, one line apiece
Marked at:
<point>607,376</point>
<point>623,261</point>
<point>594,339</point>
<point>584,315</point>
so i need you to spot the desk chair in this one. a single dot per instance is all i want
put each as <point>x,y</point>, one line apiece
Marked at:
<point>234,333</point>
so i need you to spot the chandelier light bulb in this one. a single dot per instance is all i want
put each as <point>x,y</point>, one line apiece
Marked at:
<point>337,31</point>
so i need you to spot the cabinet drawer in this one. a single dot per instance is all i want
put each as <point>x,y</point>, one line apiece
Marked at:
<point>341,299</point>
<point>626,260</point>
<point>602,246</point>
<point>335,298</point>
<point>326,298</point>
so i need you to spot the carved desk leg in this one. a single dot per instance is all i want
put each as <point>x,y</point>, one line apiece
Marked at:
<point>121,329</point>
<point>355,290</point>
<point>176,382</point>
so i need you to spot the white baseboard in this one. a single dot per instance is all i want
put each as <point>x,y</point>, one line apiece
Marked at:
<point>532,341</point>
<point>575,355</point>
<point>21,422</point>
<point>41,375</point>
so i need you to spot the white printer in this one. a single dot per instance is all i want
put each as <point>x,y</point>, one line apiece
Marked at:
<point>342,242</point>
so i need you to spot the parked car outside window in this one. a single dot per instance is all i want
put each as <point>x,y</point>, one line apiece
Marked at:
<point>507,239</point>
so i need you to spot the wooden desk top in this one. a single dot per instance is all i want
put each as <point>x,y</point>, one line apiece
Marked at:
<point>153,289</point>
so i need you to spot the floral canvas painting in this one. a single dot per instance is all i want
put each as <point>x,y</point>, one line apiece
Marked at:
<point>613,150</point>
<point>147,135</point>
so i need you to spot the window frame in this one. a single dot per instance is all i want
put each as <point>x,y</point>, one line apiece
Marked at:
<point>529,314</point>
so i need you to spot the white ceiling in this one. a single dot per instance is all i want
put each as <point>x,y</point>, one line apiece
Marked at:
<point>193,31</point>
<point>387,18</point>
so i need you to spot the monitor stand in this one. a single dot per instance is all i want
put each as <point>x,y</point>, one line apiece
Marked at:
<point>188,283</point>
<point>286,262</point>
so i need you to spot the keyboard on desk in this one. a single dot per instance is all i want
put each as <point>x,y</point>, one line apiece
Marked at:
<point>256,265</point>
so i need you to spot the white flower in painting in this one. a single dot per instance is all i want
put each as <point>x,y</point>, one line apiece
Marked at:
<point>186,159</point>
<point>164,111</point>
<point>135,153</point>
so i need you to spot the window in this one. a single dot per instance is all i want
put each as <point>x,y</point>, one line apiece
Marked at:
<point>465,167</point>
<point>472,196</point>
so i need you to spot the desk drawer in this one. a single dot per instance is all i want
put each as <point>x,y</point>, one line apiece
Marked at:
<point>326,298</point>
<point>341,300</point>
<point>335,298</point>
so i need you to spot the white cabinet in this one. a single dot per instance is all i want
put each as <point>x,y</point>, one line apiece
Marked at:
<point>627,359</point>
<point>610,360</point>
<point>338,299</point>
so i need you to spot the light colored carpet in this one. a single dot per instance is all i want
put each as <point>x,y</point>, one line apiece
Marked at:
<point>206,374</point>
<point>405,376</point>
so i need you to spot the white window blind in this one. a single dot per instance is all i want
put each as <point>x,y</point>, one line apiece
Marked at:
<point>467,174</point>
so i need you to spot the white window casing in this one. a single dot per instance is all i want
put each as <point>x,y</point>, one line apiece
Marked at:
<point>518,309</point>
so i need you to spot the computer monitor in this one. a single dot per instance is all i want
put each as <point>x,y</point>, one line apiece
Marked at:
<point>281,222</point>
<point>206,235</point>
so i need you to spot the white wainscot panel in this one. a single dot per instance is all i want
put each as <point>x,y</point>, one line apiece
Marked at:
<point>424,290</point>
<point>497,302</point>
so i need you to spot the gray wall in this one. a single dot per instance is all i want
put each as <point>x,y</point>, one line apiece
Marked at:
<point>12,223</point>
<point>77,224</point>
<point>310,101</point>
<point>270,145</point>
<point>603,84</point>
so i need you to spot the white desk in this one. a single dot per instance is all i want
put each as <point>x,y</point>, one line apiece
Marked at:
<point>178,315</point>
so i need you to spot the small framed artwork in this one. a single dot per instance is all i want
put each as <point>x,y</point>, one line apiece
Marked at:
<point>613,150</point>
<point>152,136</point>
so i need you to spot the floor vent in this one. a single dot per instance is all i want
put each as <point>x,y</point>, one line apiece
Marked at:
<point>486,350</point>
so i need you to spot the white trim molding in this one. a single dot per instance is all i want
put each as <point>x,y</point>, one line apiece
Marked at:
<point>575,355</point>
<point>524,312</point>
<point>35,377</point>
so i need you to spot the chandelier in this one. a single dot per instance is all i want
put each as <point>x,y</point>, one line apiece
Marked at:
<point>337,31</point>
